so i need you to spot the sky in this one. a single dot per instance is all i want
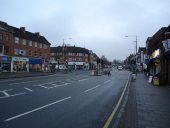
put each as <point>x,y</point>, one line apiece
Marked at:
<point>98,25</point>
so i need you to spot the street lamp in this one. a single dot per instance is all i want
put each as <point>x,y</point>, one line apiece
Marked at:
<point>136,40</point>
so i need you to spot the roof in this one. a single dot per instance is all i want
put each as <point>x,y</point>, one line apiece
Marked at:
<point>17,32</point>
<point>71,49</point>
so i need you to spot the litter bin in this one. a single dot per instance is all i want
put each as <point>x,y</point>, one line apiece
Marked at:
<point>155,81</point>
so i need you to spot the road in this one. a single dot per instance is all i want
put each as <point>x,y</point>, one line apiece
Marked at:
<point>68,101</point>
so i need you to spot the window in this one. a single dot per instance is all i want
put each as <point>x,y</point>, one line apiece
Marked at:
<point>16,51</point>
<point>70,54</point>
<point>45,46</point>
<point>1,36</point>
<point>40,54</point>
<point>35,53</point>
<point>16,40</point>
<point>24,41</point>
<point>35,44</point>
<point>40,45</point>
<point>0,49</point>
<point>70,59</point>
<point>7,38</point>
<point>30,53</point>
<point>30,43</point>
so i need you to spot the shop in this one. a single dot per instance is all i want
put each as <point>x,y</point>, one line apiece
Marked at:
<point>20,64</point>
<point>35,64</point>
<point>5,63</point>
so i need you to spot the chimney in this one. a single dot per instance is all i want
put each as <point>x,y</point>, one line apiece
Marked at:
<point>37,34</point>
<point>22,29</point>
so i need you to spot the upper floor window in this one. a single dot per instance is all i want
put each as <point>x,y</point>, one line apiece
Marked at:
<point>45,46</point>
<point>16,40</point>
<point>1,36</point>
<point>35,44</point>
<point>7,38</point>
<point>70,54</point>
<point>30,43</point>
<point>24,41</point>
<point>40,45</point>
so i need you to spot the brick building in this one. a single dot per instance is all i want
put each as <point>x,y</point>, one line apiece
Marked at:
<point>74,57</point>
<point>28,51</point>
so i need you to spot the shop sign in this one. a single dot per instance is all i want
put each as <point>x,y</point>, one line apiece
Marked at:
<point>35,61</point>
<point>6,59</point>
<point>156,53</point>
<point>168,44</point>
<point>20,59</point>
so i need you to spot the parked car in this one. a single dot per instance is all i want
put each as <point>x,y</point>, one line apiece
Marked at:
<point>119,67</point>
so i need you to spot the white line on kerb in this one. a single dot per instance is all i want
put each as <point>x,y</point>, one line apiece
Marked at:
<point>29,89</point>
<point>36,109</point>
<point>92,88</point>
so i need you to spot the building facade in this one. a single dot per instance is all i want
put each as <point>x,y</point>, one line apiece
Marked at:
<point>74,57</point>
<point>158,50</point>
<point>28,51</point>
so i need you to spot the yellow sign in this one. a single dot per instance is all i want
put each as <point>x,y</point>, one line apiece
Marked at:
<point>155,81</point>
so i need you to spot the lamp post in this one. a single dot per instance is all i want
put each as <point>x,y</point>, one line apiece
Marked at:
<point>136,41</point>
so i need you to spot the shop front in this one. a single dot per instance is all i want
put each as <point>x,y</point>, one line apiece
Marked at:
<point>35,64</point>
<point>20,64</point>
<point>5,63</point>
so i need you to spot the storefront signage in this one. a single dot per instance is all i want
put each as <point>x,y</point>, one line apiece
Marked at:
<point>20,59</point>
<point>168,44</point>
<point>156,53</point>
<point>35,61</point>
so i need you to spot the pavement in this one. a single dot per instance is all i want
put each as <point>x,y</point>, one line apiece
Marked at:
<point>74,100</point>
<point>148,106</point>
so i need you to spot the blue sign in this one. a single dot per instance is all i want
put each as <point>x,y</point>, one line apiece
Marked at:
<point>6,59</point>
<point>35,61</point>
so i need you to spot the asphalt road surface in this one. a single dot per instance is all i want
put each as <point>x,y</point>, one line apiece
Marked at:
<point>76,100</point>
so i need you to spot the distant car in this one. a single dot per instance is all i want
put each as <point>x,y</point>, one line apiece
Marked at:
<point>119,67</point>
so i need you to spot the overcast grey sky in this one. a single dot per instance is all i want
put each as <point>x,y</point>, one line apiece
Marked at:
<point>99,25</point>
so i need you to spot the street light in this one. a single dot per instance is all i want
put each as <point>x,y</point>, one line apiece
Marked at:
<point>136,40</point>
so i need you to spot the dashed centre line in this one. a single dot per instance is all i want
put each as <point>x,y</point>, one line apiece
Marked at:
<point>92,88</point>
<point>107,81</point>
<point>82,80</point>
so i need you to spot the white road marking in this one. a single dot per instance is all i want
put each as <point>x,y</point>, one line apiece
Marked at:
<point>56,85</point>
<point>36,109</point>
<point>22,82</point>
<point>92,88</point>
<point>28,89</point>
<point>41,85</point>
<point>107,81</point>
<point>82,80</point>
<point>5,92</point>
<point>13,95</point>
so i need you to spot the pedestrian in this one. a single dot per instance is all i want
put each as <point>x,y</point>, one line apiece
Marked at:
<point>109,74</point>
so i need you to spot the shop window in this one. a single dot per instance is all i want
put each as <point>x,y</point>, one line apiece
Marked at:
<point>16,40</point>
<point>30,43</point>
<point>24,41</point>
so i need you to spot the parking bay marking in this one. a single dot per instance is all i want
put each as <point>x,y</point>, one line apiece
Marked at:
<point>36,109</point>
